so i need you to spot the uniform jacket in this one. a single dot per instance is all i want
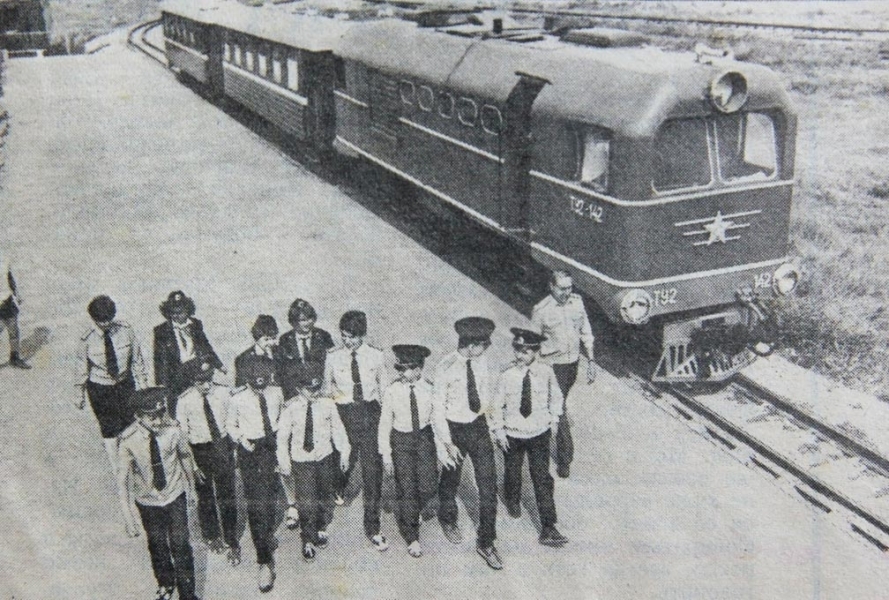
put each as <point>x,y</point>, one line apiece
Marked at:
<point>247,358</point>
<point>288,357</point>
<point>167,363</point>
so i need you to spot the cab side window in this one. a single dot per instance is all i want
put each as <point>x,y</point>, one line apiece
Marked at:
<point>593,157</point>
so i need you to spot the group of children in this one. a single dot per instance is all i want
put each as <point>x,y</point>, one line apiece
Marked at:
<point>301,415</point>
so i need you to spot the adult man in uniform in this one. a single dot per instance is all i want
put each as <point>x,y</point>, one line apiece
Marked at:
<point>561,318</point>
<point>9,311</point>
<point>462,392</point>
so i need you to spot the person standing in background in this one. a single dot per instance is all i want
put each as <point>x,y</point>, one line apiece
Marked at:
<point>110,368</point>
<point>9,314</point>
<point>561,318</point>
<point>178,340</point>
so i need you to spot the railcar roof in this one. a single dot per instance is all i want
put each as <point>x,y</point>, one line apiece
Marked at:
<point>275,24</point>
<point>624,89</point>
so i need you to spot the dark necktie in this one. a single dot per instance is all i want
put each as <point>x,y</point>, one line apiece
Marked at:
<point>357,389</point>
<point>475,403</point>
<point>266,422</point>
<point>110,356</point>
<point>158,478</point>
<point>308,436</point>
<point>415,412</point>
<point>211,420</point>
<point>525,407</point>
<point>304,349</point>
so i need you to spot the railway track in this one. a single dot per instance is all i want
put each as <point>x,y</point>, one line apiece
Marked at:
<point>826,33</point>
<point>830,470</point>
<point>138,38</point>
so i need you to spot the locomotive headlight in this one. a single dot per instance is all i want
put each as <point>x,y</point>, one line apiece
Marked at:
<point>635,307</point>
<point>728,92</point>
<point>785,279</point>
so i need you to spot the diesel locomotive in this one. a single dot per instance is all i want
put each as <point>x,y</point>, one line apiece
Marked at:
<point>662,180</point>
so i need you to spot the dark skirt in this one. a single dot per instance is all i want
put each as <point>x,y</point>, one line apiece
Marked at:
<point>111,405</point>
<point>8,309</point>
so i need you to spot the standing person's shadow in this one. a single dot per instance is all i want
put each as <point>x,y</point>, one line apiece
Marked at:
<point>32,344</point>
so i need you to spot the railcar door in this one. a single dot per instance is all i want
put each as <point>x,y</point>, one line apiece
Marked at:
<point>516,138</point>
<point>384,112</point>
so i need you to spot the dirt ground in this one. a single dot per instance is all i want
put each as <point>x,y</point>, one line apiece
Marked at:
<point>121,181</point>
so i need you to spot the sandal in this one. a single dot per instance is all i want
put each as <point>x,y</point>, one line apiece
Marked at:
<point>292,519</point>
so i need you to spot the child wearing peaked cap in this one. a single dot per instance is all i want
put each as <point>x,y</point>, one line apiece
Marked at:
<point>408,443</point>
<point>314,448</point>
<point>155,467</point>
<point>202,413</point>
<point>526,409</point>
<point>252,422</point>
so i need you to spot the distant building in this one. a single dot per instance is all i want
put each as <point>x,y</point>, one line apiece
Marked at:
<point>22,25</point>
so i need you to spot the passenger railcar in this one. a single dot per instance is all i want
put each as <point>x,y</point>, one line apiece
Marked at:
<point>662,180</point>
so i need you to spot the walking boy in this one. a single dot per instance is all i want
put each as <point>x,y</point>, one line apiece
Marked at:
<point>527,407</point>
<point>203,409</point>
<point>355,376</point>
<point>462,397</point>
<point>252,422</point>
<point>407,442</point>
<point>9,311</point>
<point>308,433</point>
<point>155,468</point>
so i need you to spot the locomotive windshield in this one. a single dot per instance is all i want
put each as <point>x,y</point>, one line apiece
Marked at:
<point>744,147</point>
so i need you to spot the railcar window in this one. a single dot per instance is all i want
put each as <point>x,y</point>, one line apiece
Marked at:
<point>339,66</point>
<point>292,73</point>
<point>248,59</point>
<point>426,98</point>
<point>746,147</point>
<point>492,120</point>
<point>445,105</point>
<point>277,70</point>
<point>467,111</point>
<point>407,91</point>
<point>682,155</point>
<point>593,154</point>
<point>228,52</point>
<point>263,64</point>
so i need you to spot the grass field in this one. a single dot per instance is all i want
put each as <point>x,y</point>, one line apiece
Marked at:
<point>838,323</point>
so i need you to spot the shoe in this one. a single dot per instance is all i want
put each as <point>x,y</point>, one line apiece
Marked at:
<point>164,593</point>
<point>217,546</point>
<point>339,500</point>
<point>550,536</point>
<point>452,532</point>
<point>18,363</point>
<point>563,471</point>
<point>379,541</point>
<point>266,577</point>
<point>514,509</point>
<point>323,538</point>
<point>309,552</point>
<point>491,557</point>
<point>234,556</point>
<point>292,519</point>
<point>414,549</point>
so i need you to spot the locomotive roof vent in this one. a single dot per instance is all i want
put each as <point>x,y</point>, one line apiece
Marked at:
<point>604,37</point>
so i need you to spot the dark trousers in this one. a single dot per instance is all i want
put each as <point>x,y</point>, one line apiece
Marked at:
<point>362,420</point>
<point>537,449</point>
<point>166,528</point>
<point>112,405</point>
<point>474,442</point>
<point>416,477</point>
<point>566,375</point>
<point>177,384</point>
<point>12,327</point>
<point>216,495</point>
<point>314,495</point>
<point>261,491</point>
